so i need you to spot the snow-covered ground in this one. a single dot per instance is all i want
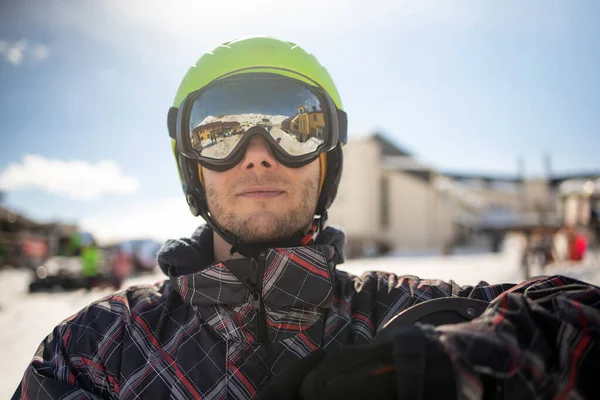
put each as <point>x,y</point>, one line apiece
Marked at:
<point>222,148</point>
<point>25,319</point>
<point>291,143</point>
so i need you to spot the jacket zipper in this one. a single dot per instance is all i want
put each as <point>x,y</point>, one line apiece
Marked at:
<point>258,301</point>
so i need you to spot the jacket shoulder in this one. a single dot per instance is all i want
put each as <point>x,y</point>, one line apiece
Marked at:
<point>110,314</point>
<point>86,349</point>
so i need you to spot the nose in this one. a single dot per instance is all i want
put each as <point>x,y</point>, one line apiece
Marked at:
<point>258,155</point>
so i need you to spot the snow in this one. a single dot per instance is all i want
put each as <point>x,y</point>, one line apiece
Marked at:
<point>291,143</point>
<point>27,318</point>
<point>223,149</point>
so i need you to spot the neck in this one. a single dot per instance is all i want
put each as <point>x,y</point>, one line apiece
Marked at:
<point>222,248</point>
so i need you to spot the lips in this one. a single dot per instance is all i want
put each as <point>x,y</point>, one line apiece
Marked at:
<point>265,192</point>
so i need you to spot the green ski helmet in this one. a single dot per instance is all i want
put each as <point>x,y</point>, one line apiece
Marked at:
<point>258,54</point>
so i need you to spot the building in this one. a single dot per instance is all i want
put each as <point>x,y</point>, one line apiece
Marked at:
<point>579,199</point>
<point>388,201</point>
<point>215,130</point>
<point>305,124</point>
<point>25,242</point>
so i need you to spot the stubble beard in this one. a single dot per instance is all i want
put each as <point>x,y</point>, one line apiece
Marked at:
<point>277,227</point>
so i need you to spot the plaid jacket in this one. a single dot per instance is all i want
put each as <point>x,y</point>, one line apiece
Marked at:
<point>216,330</point>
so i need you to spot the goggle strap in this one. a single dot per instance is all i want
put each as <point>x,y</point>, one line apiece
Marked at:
<point>172,122</point>
<point>342,125</point>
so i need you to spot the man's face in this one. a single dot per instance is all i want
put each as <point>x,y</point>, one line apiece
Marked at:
<point>260,200</point>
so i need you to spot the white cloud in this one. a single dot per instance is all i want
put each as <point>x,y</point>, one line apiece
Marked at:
<point>16,52</point>
<point>160,219</point>
<point>186,28</point>
<point>182,18</point>
<point>39,51</point>
<point>193,26</point>
<point>74,179</point>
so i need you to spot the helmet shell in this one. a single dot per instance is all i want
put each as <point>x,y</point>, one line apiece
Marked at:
<point>257,54</point>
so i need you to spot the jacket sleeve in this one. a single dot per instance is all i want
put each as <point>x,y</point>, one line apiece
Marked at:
<point>380,296</point>
<point>536,340</point>
<point>69,364</point>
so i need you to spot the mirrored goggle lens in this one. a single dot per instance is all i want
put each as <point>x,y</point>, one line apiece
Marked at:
<point>290,112</point>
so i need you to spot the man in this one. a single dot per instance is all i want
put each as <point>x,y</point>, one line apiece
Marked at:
<point>254,305</point>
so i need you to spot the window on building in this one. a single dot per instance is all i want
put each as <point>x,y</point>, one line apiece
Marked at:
<point>384,206</point>
<point>314,117</point>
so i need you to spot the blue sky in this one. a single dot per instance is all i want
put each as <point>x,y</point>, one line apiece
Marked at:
<point>466,86</point>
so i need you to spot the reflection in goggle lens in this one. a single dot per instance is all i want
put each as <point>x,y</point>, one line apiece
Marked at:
<point>288,111</point>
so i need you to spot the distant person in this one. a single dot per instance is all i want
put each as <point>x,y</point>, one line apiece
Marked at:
<point>74,246</point>
<point>90,262</point>
<point>255,307</point>
<point>577,244</point>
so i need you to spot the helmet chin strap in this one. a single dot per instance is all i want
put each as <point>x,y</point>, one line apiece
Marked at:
<point>253,250</point>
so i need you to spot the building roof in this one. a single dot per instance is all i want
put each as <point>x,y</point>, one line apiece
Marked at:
<point>468,176</point>
<point>583,186</point>
<point>13,217</point>
<point>388,148</point>
<point>404,163</point>
<point>557,179</point>
<point>396,158</point>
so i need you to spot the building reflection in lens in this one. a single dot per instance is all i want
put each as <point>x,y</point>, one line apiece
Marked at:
<point>306,124</point>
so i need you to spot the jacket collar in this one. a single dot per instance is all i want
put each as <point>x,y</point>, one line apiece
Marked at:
<point>294,277</point>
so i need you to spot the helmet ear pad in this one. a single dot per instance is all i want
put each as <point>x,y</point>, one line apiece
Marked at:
<point>332,180</point>
<point>194,192</point>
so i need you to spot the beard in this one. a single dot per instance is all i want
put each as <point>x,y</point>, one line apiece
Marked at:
<point>270,226</point>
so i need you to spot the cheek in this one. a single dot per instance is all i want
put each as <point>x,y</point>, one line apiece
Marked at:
<point>313,173</point>
<point>214,182</point>
<point>307,178</point>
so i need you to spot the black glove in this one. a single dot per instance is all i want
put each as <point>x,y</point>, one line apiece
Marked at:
<point>286,386</point>
<point>409,366</point>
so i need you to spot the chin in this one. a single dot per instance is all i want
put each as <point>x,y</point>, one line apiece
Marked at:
<point>264,222</point>
<point>263,211</point>
<point>263,219</point>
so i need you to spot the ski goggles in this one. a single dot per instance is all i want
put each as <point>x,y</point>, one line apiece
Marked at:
<point>215,124</point>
